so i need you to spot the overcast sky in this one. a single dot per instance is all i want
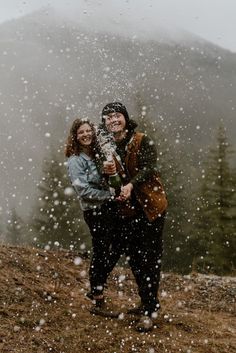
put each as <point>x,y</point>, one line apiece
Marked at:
<point>214,20</point>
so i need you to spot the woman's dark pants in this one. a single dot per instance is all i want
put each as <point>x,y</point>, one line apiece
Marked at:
<point>102,228</point>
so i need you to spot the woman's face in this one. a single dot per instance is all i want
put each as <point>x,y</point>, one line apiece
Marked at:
<point>85,135</point>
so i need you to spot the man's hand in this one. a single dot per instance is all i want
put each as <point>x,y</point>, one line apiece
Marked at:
<point>109,167</point>
<point>125,193</point>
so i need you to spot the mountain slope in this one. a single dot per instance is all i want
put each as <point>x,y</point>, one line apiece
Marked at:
<point>43,306</point>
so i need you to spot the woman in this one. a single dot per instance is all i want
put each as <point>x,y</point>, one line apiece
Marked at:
<point>96,202</point>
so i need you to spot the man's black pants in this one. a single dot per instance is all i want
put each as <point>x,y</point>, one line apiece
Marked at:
<point>142,243</point>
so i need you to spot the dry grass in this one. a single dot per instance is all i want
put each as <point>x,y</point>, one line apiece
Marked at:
<point>44,309</point>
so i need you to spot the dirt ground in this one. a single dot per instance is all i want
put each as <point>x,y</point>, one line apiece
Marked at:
<point>43,308</point>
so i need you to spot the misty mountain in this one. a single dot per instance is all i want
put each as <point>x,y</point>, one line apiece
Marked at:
<point>54,70</point>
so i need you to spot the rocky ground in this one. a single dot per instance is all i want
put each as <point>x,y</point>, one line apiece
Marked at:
<point>43,308</point>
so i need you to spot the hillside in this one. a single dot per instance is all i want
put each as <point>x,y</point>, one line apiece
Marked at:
<point>44,309</point>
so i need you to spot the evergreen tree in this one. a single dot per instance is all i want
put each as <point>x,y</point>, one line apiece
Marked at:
<point>215,242</point>
<point>57,218</point>
<point>15,230</point>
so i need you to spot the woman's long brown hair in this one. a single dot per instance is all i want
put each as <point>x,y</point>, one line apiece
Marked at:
<point>72,146</point>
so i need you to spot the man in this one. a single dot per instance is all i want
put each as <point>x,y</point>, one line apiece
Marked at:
<point>143,204</point>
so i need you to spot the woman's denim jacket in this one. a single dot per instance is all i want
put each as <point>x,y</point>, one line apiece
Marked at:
<point>89,185</point>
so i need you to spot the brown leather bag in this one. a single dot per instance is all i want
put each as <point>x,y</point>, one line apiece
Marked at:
<point>150,195</point>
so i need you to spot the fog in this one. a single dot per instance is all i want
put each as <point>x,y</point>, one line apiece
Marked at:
<point>213,20</point>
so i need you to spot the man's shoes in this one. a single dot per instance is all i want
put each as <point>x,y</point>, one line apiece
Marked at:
<point>145,324</point>
<point>138,310</point>
<point>101,308</point>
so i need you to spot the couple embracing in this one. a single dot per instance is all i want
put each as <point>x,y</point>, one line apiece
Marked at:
<point>125,218</point>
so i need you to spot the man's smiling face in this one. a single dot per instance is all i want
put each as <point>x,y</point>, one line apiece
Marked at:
<point>115,122</point>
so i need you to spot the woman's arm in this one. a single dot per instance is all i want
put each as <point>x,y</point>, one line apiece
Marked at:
<point>77,170</point>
